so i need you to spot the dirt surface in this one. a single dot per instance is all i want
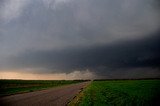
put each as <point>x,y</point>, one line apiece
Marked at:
<point>58,96</point>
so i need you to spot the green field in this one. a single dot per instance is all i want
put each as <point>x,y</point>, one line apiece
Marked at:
<point>120,93</point>
<point>8,87</point>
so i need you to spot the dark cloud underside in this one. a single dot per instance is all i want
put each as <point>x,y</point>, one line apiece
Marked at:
<point>122,55</point>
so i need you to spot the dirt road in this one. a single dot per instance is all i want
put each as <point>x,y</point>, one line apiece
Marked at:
<point>59,96</point>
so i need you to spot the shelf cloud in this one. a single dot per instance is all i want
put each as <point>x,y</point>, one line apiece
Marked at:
<point>109,39</point>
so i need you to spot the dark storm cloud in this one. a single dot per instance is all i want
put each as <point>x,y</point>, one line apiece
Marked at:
<point>108,37</point>
<point>124,55</point>
<point>59,24</point>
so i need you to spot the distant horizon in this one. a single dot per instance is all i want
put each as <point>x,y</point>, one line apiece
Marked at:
<point>58,77</point>
<point>87,79</point>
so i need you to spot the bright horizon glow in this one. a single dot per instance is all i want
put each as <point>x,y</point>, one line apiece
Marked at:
<point>43,76</point>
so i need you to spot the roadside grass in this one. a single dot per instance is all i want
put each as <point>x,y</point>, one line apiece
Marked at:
<point>121,93</point>
<point>76,100</point>
<point>8,87</point>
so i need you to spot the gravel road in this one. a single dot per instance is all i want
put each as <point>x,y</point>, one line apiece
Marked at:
<point>58,96</point>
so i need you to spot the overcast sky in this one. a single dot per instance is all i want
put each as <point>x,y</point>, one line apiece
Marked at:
<point>90,38</point>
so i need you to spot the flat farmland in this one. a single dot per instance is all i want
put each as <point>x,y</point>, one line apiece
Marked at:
<point>80,93</point>
<point>120,93</point>
<point>8,87</point>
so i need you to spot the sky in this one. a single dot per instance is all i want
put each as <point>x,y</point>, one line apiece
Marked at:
<point>79,39</point>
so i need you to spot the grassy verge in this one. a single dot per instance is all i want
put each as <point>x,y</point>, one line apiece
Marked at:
<point>8,87</point>
<point>78,98</point>
<point>121,93</point>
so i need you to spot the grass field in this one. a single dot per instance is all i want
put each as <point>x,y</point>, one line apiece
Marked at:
<point>8,87</point>
<point>120,93</point>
